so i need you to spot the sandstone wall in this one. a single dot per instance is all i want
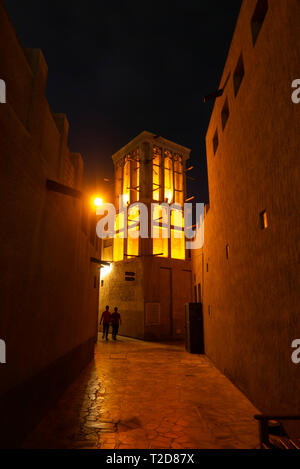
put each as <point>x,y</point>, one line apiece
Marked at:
<point>252,287</point>
<point>48,286</point>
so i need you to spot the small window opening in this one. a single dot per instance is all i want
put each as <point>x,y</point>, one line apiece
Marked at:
<point>225,114</point>
<point>238,75</point>
<point>215,142</point>
<point>263,220</point>
<point>227,251</point>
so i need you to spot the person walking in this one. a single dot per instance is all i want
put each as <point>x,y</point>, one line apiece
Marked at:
<point>106,318</point>
<point>115,321</point>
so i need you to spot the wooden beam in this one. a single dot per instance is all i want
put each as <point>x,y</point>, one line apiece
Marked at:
<point>99,261</point>
<point>62,189</point>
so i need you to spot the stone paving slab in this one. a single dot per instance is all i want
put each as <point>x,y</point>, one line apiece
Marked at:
<point>145,395</point>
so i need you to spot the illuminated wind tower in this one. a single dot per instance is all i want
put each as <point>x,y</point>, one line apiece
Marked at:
<point>151,277</point>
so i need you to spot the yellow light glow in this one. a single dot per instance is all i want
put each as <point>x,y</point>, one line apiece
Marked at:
<point>178,179</point>
<point>177,245</point>
<point>126,199</point>
<point>132,243</point>
<point>160,233</point>
<point>168,177</point>
<point>169,196</point>
<point>156,172</point>
<point>160,244</point>
<point>132,239</point>
<point>177,235</point>
<point>177,219</point>
<point>135,183</point>
<point>118,241</point>
<point>98,201</point>
<point>105,270</point>
<point>138,180</point>
<point>126,182</point>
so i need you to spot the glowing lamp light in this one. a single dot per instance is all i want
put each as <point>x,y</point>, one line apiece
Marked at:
<point>126,199</point>
<point>98,201</point>
<point>105,270</point>
<point>169,196</point>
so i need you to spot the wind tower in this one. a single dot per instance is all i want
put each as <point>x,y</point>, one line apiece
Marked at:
<point>150,280</point>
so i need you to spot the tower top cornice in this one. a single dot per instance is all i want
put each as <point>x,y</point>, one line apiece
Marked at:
<point>154,139</point>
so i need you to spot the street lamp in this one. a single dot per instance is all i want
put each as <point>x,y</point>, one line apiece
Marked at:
<point>105,270</point>
<point>97,201</point>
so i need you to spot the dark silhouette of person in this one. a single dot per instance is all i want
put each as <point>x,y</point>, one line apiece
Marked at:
<point>106,318</point>
<point>115,321</point>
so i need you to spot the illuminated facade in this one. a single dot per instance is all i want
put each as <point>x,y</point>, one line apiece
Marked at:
<point>151,276</point>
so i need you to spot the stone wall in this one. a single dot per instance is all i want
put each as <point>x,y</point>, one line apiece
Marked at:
<point>152,305</point>
<point>126,295</point>
<point>48,286</point>
<point>251,275</point>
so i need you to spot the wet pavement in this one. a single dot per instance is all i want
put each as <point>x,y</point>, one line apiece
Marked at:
<point>140,395</point>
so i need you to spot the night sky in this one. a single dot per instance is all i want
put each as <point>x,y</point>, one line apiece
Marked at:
<point>117,68</point>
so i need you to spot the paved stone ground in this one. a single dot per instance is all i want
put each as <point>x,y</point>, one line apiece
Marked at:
<point>147,395</point>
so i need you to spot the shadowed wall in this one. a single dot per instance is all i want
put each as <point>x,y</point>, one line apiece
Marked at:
<point>48,286</point>
<point>251,272</point>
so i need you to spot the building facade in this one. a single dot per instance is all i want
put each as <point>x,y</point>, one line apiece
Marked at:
<point>147,271</point>
<point>251,271</point>
<point>48,284</point>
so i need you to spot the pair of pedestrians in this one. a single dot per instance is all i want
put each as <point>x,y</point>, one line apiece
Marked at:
<point>114,319</point>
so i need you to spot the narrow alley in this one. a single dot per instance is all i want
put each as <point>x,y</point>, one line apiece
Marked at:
<point>143,395</point>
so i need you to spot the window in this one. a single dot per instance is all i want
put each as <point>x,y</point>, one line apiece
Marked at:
<point>119,238</point>
<point>163,225</point>
<point>135,190</point>
<point>258,18</point>
<point>195,293</point>
<point>126,181</point>
<point>227,251</point>
<point>160,243</point>
<point>207,267</point>
<point>177,235</point>
<point>160,232</point>
<point>156,172</point>
<point>133,231</point>
<point>263,220</point>
<point>225,114</point>
<point>178,179</point>
<point>119,180</point>
<point>168,173</point>
<point>215,142</point>
<point>238,75</point>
